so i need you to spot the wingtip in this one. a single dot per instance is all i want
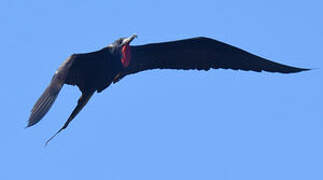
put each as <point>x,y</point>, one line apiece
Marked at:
<point>31,121</point>
<point>29,124</point>
<point>311,69</point>
<point>297,69</point>
<point>304,69</point>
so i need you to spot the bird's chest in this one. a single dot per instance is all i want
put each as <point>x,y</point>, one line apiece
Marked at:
<point>103,74</point>
<point>95,71</point>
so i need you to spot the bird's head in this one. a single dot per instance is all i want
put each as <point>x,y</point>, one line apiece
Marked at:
<point>122,48</point>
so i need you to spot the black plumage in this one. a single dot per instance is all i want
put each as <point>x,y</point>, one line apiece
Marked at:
<point>95,71</point>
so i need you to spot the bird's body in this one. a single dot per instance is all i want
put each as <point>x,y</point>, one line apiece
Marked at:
<point>101,68</point>
<point>95,71</point>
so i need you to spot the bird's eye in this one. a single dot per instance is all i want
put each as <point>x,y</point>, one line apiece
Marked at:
<point>119,41</point>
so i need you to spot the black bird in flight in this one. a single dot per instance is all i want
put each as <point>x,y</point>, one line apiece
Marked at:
<point>95,71</point>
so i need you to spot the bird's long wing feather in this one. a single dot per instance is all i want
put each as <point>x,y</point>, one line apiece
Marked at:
<point>48,97</point>
<point>201,54</point>
<point>44,103</point>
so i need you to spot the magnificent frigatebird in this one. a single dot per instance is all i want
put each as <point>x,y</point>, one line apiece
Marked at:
<point>95,71</point>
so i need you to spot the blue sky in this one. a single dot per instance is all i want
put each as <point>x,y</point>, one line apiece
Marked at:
<point>164,124</point>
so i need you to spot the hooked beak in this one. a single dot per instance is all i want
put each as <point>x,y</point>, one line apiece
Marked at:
<point>129,39</point>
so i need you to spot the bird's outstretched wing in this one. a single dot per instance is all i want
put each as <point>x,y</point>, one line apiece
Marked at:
<point>71,72</point>
<point>45,101</point>
<point>48,97</point>
<point>198,53</point>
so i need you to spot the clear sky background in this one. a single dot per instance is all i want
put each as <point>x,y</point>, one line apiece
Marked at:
<point>163,124</point>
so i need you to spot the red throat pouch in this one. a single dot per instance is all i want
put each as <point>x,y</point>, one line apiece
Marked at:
<point>126,55</point>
